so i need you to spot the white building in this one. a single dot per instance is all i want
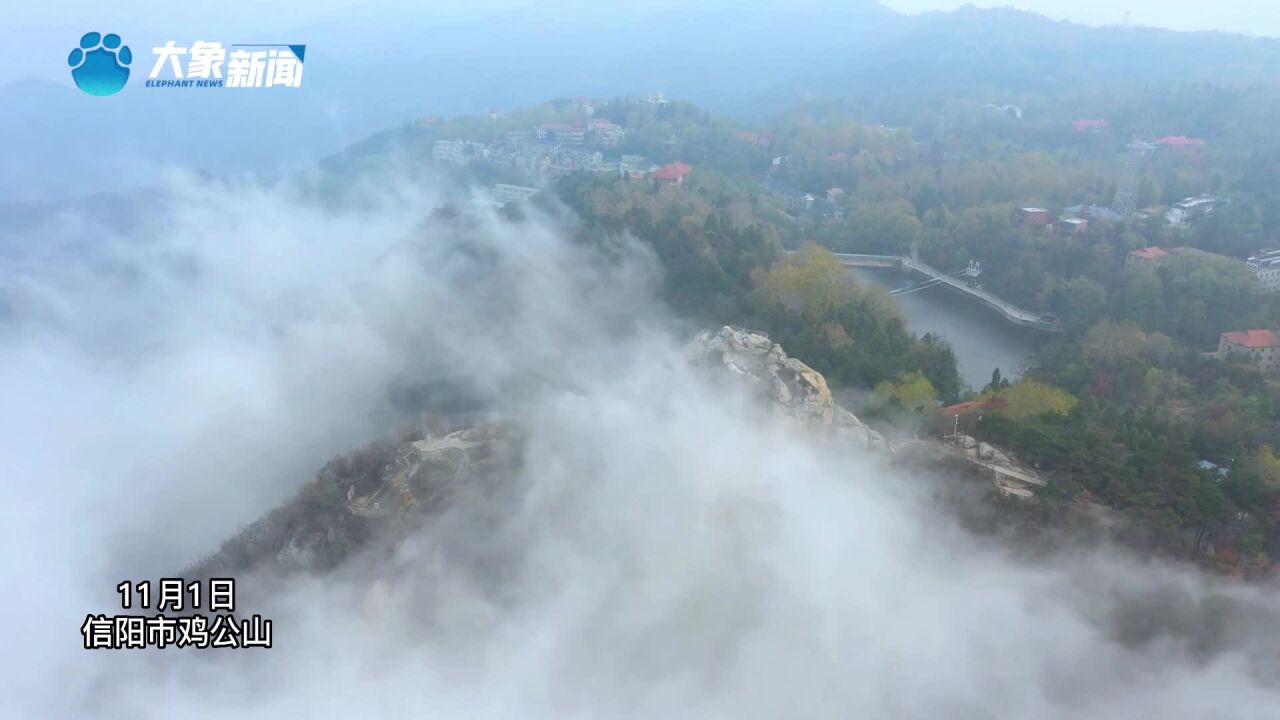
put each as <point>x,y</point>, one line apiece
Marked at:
<point>1266,265</point>
<point>561,133</point>
<point>606,133</point>
<point>1192,206</point>
<point>503,193</point>
<point>452,152</point>
<point>800,203</point>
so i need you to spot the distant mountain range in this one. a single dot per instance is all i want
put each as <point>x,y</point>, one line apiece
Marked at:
<point>745,59</point>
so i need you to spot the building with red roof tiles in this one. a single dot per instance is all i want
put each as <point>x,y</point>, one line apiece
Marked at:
<point>673,173</point>
<point>1035,216</point>
<point>1146,254</point>
<point>991,402</point>
<point>1262,347</point>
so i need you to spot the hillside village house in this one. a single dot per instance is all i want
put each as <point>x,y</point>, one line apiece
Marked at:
<point>1145,255</point>
<point>1266,265</point>
<point>1184,210</point>
<point>1033,216</point>
<point>605,133</point>
<point>561,133</point>
<point>671,174</point>
<point>503,193</point>
<point>1073,225</point>
<point>1262,347</point>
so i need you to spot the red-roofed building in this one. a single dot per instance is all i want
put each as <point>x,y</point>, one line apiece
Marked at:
<point>673,173</point>
<point>991,402</point>
<point>1146,254</point>
<point>1038,217</point>
<point>1260,346</point>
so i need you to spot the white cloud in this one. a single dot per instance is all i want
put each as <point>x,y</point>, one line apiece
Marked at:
<point>671,551</point>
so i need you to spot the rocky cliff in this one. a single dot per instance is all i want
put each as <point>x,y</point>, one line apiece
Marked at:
<point>376,493</point>
<point>789,387</point>
<point>380,492</point>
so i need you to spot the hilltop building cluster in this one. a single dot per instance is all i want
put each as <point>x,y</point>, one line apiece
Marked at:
<point>1075,220</point>
<point>1042,218</point>
<point>554,149</point>
<point>804,204</point>
<point>550,149</point>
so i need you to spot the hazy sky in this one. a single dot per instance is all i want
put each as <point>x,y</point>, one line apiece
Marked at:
<point>1255,17</point>
<point>31,32</point>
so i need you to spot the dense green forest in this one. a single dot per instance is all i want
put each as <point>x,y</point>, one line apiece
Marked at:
<point>1126,406</point>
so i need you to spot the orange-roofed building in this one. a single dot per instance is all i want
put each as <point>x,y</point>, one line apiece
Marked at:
<point>1146,254</point>
<point>992,402</point>
<point>673,173</point>
<point>1262,347</point>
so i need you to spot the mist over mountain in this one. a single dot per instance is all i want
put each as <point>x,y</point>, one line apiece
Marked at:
<point>505,388</point>
<point>665,546</point>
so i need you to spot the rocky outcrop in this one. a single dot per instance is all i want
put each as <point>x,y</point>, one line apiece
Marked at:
<point>790,387</point>
<point>382,491</point>
<point>378,492</point>
<point>1009,476</point>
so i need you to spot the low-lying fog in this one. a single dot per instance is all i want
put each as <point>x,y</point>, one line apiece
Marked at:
<point>677,552</point>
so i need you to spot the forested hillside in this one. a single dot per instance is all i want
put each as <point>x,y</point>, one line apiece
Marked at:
<point>1125,406</point>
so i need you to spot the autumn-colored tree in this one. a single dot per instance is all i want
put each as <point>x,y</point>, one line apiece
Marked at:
<point>1268,466</point>
<point>911,391</point>
<point>1028,398</point>
<point>810,281</point>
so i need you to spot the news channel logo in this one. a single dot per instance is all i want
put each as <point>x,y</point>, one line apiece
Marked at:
<point>100,65</point>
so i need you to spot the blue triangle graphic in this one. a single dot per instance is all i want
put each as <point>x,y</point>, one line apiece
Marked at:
<point>300,51</point>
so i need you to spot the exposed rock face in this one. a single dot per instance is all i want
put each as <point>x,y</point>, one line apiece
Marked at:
<point>382,491</point>
<point>986,451</point>
<point>1009,476</point>
<point>792,388</point>
<point>379,491</point>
